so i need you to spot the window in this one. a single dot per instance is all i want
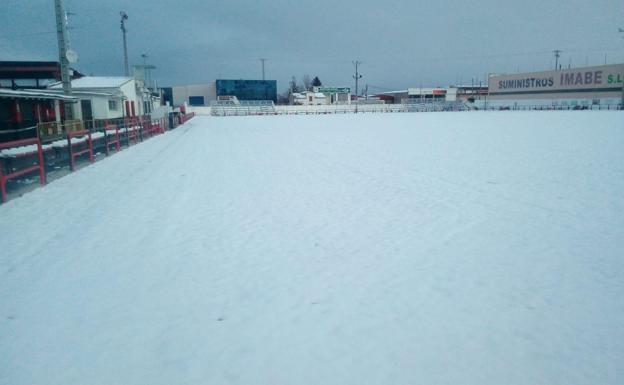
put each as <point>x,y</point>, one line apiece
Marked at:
<point>26,82</point>
<point>196,100</point>
<point>113,105</point>
<point>147,107</point>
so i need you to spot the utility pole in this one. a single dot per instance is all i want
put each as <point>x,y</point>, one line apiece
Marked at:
<point>357,77</point>
<point>67,15</point>
<point>61,35</point>
<point>557,53</point>
<point>263,60</point>
<point>621,30</point>
<point>124,17</point>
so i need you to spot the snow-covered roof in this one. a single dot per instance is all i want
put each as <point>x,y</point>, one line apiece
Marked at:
<point>93,93</point>
<point>392,92</point>
<point>87,92</point>
<point>33,94</point>
<point>319,95</point>
<point>96,82</point>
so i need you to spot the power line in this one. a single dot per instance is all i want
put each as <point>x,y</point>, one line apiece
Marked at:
<point>28,34</point>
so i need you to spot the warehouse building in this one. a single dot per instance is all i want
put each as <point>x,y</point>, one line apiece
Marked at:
<point>574,87</point>
<point>192,94</point>
<point>205,94</point>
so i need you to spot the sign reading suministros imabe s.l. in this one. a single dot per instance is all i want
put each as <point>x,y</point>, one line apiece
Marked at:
<point>599,78</point>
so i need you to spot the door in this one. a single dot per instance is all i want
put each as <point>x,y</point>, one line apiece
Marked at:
<point>87,111</point>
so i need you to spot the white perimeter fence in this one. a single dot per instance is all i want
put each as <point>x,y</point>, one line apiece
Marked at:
<point>375,108</point>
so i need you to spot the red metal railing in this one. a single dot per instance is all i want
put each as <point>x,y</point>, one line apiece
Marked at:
<point>70,147</point>
<point>25,142</point>
<point>132,130</point>
<point>136,129</point>
<point>153,127</point>
<point>186,117</point>
<point>111,130</point>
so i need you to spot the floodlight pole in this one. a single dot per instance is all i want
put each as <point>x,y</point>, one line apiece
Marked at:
<point>357,77</point>
<point>61,35</point>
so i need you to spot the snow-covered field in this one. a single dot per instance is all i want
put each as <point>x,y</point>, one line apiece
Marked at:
<point>440,248</point>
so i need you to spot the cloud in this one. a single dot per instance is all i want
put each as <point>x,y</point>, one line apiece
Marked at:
<point>402,43</point>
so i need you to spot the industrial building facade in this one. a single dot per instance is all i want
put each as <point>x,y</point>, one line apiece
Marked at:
<point>584,86</point>
<point>204,94</point>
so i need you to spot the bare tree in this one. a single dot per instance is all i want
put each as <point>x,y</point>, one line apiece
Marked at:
<point>293,87</point>
<point>306,82</point>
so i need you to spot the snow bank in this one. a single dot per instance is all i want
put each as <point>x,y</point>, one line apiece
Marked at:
<point>14,152</point>
<point>442,248</point>
<point>61,143</point>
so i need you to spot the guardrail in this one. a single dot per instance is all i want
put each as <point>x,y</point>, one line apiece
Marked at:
<point>38,167</point>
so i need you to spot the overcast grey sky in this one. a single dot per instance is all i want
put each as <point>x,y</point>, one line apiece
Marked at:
<point>400,42</point>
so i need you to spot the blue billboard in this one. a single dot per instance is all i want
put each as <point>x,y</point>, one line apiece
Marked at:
<point>248,89</point>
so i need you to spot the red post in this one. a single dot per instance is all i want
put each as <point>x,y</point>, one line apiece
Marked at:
<point>70,150</point>
<point>91,158</point>
<point>42,176</point>
<point>72,154</point>
<point>3,185</point>
<point>16,113</point>
<point>117,139</point>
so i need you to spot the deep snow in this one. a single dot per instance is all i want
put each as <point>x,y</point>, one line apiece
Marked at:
<point>440,248</point>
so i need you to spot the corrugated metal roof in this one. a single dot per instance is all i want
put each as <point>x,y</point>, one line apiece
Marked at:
<point>33,94</point>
